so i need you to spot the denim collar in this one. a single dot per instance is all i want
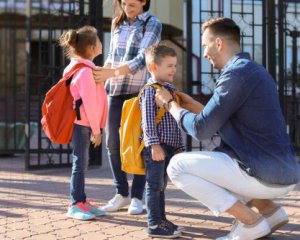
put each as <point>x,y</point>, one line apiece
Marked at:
<point>235,58</point>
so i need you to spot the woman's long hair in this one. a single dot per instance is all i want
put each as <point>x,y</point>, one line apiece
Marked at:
<point>119,14</point>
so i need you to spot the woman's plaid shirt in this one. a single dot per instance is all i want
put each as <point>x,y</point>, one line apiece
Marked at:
<point>127,47</point>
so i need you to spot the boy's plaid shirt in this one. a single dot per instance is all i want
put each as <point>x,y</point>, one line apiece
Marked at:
<point>127,46</point>
<point>167,131</point>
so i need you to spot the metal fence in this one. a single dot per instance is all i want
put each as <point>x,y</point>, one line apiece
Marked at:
<point>31,62</point>
<point>270,33</point>
<point>35,25</point>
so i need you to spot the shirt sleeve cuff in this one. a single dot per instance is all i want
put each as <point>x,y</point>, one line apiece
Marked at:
<point>152,141</point>
<point>95,130</point>
<point>180,116</point>
<point>185,120</point>
<point>134,66</point>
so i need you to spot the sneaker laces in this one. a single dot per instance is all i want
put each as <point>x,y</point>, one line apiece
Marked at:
<point>135,202</point>
<point>82,206</point>
<point>115,199</point>
<point>169,224</point>
<point>164,226</point>
<point>91,203</point>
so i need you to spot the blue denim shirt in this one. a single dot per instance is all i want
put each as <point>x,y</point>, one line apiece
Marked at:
<point>245,110</point>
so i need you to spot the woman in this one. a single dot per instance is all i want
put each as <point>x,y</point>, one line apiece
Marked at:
<point>133,30</point>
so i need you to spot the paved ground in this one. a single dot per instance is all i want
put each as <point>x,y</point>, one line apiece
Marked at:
<point>33,206</point>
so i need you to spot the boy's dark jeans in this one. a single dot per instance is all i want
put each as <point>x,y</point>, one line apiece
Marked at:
<point>157,179</point>
<point>115,104</point>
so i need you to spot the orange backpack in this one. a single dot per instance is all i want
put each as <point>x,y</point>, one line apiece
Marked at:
<point>58,114</point>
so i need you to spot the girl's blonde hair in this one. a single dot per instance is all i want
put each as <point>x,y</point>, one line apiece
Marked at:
<point>76,41</point>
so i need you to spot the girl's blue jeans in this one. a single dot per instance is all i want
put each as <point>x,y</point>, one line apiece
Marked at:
<point>80,142</point>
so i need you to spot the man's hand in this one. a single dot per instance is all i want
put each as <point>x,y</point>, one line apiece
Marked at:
<point>162,96</point>
<point>188,103</point>
<point>102,74</point>
<point>96,139</point>
<point>185,99</point>
<point>158,154</point>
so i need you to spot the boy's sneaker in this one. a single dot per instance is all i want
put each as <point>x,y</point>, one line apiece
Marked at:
<point>80,211</point>
<point>116,203</point>
<point>93,208</point>
<point>242,231</point>
<point>173,226</point>
<point>136,206</point>
<point>162,231</point>
<point>276,219</point>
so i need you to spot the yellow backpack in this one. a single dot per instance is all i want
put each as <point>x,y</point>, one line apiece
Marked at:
<point>130,132</point>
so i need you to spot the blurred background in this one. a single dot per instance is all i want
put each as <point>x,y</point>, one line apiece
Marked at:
<point>31,61</point>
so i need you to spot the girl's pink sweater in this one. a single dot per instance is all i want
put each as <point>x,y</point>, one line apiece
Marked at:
<point>93,110</point>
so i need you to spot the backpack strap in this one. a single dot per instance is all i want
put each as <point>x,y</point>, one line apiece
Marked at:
<point>145,24</point>
<point>74,69</point>
<point>160,113</point>
<point>68,81</point>
<point>78,103</point>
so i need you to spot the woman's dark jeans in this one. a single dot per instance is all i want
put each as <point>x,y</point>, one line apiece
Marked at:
<point>115,104</point>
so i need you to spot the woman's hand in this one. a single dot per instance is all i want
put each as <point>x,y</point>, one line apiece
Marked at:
<point>102,74</point>
<point>162,96</point>
<point>158,154</point>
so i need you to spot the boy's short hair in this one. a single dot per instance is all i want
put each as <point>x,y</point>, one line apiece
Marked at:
<point>223,27</point>
<point>155,53</point>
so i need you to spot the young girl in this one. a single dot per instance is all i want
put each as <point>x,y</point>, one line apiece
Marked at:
<point>81,46</point>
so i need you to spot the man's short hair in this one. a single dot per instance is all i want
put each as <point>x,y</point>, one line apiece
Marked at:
<point>155,53</point>
<point>224,27</point>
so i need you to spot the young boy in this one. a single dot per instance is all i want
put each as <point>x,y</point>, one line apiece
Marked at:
<point>161,141</point>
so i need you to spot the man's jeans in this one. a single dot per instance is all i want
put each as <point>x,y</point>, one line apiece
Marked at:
<point>115,104</point>
<point>80,142</point>
<point>157,179</point>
